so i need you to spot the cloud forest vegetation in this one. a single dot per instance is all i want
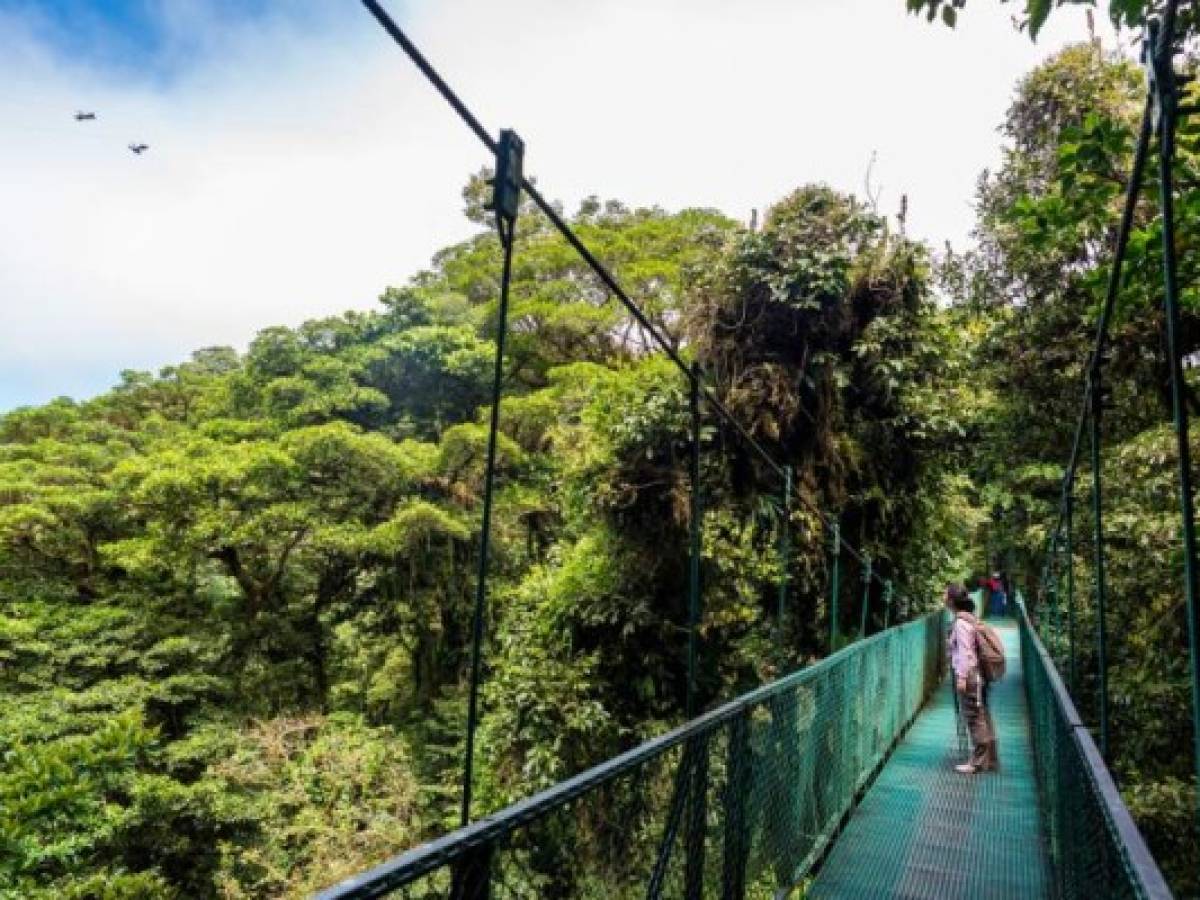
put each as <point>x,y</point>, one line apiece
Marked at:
<point>236,594</point>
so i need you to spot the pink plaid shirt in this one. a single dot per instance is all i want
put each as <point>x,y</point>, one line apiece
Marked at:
<point>962,644</point>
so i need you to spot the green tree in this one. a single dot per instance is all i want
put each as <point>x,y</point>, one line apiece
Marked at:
<point>1123,13</point>
<point>1047,227</point>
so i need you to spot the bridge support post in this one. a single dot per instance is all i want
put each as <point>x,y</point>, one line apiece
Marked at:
<point>737,823</point>
<point>471,874</point>
<point>1164,84</point>
<point>696,833</point>
<point>783,818</point>
<point>675,813</point>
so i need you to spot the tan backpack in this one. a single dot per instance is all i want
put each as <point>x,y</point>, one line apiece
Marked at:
<point>990,649</point>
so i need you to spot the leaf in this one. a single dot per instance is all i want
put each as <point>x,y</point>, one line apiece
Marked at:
<point>949,16</point>
<point>1038,10</point>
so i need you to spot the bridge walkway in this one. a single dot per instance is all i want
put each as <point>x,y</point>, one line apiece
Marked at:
<point>925,832</point>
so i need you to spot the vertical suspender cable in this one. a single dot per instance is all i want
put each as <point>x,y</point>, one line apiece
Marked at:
<point>506,200</point>
<point>835,573</point>
<point>1060,608</point>
<point>1090,408</point>
<point>785,558</point>
<point>866,596</point>
<point>1132,191</point>
<point>1043,605</point>
<point>694,545</point>
<point>1070,523</point>
<point>1163,79</point>
<point>1053,618</point>
<point>1098,542</point>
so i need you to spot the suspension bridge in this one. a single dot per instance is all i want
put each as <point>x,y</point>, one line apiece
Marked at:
<point>834,781</point>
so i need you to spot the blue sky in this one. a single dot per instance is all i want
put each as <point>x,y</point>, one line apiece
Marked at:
<point>298,165</point>
<point>104,30</point>
<point>135,38</point>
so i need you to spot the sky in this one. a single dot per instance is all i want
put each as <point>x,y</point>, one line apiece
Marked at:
<point>298,163</point>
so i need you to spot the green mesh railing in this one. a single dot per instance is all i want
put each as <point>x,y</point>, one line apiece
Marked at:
<point>740,802</point>
<point>1095,848</point>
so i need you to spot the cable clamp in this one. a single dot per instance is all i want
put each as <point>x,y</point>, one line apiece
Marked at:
<point>506,184</point>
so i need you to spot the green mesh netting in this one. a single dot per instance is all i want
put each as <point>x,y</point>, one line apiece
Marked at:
<point>741,803</point>
<point>746,801</point>
<point>925,831</point>
<point>1095,848</point>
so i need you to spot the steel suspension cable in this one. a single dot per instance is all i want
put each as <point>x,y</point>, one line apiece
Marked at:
<point>1159,114</point>
<point>1128,210</point>
<point>1090,410</point>
<point>598,268</point>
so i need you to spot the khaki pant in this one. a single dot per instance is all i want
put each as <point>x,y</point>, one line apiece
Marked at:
<point>979,723</point>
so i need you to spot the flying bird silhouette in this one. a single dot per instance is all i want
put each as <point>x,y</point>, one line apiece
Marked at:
<point>84,116</point>
<point>139,149</point>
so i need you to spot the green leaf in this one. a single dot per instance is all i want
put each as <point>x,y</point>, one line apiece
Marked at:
<point>1038,10</point>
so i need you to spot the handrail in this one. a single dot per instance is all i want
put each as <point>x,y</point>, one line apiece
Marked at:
<point>1136,856</point>
<point>420,861</point>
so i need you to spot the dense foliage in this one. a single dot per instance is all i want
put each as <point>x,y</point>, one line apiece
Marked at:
<point>1047,227</point>
<point>1124,14</point>
<point>235,595</point>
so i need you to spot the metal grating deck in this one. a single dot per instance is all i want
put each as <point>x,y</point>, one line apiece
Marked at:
<point>924,832</point>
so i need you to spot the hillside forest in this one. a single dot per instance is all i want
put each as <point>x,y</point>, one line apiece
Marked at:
<point>236,593</point>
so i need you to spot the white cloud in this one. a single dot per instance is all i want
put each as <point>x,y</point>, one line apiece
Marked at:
<point>298,166</point>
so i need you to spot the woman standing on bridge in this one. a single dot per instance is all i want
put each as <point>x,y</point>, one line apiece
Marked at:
<point>970,684</point>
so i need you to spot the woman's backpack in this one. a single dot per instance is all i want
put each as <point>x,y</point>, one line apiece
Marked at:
<point>990,649</point>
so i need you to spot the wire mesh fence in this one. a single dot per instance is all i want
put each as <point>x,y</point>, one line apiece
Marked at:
<point>739,803</point>
<point>1095,848</point>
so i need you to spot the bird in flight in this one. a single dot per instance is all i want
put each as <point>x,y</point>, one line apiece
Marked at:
<point>139,149</point>
<point>84,116</point>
